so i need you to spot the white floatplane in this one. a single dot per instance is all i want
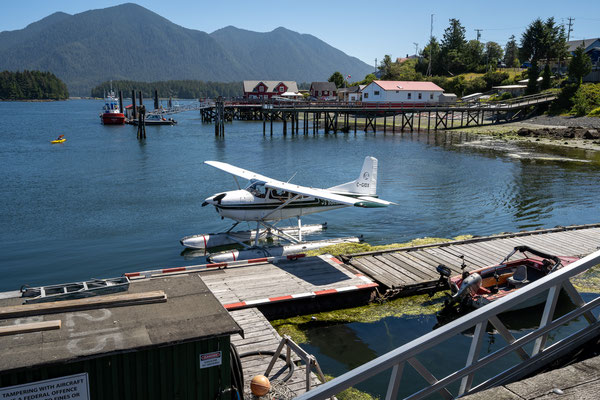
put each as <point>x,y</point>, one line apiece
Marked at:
<point>266,201</point>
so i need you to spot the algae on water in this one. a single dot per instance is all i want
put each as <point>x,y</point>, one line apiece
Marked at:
<point>353,248</point>
<point>296,327</point>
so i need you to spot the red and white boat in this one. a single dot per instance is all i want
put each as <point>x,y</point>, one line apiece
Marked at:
<point>472,290</point>
<point>111,114</point>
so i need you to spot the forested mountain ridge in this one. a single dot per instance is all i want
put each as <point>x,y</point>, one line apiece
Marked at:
<point>129,42</point>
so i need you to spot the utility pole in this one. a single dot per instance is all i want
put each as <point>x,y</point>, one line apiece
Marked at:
<point>416,49</point>
<point>375,64</point>
<point>570,28</point>
<point>430,39</point>
<point>478,33</point>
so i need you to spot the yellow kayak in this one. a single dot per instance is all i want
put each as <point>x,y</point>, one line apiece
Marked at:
<point>58,141</point>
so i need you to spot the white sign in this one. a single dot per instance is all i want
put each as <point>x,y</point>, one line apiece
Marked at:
<point>66,387</point>
<point>210,359</point>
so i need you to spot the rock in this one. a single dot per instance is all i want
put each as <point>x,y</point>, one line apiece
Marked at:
<point>591,134</point>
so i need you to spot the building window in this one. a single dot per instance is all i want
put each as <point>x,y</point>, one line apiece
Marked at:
<point>430,96</point>
<point>420,96</point>
<point>261,89</point>
<point>281,89</point>
<point>409,96</point>
<point>397,91</point>
<point>366,95</point>
<point>376,93</point>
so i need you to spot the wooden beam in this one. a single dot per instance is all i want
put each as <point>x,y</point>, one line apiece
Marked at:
<point>30,327</point>
<point>115,300</point>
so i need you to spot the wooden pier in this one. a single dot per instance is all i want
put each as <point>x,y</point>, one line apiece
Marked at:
<point>333,117</point>
<point>413,269</point>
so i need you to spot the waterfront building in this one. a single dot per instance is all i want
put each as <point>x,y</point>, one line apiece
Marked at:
<point>267,89</point>
<point>401,92</point>
<point>323,91</point>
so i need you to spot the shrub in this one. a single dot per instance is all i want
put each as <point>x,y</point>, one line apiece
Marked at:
<point>595,112</point>
<point>564,102</point>
<point>586,99</point>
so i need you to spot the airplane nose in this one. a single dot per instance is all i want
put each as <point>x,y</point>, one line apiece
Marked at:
<point>215,199</point>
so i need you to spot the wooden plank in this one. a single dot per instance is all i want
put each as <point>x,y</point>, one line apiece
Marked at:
<point>396,270</point>
<point>30,327</point>
<point>433,260</point>
<point>378,272</point>
<point>425,270</point>
<point>114,300</point>
<point>399,260</point>
<point>409,275</point>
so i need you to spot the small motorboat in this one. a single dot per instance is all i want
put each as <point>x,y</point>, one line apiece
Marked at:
<point>60,139</point>
<point>156,119</point>
<point>475,289</point>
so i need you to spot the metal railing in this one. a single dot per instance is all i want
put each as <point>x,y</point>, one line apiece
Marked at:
<point>354,105</point>
<point>540,355</point>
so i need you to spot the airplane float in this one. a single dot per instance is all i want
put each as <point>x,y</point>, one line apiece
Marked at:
<point>266,201</point>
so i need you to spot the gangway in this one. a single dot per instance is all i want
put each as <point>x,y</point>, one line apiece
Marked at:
<point>541,354</point>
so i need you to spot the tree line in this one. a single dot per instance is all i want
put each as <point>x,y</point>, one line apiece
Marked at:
<point>446,61</point>
<point>185,89</point>
<point>31,85</point>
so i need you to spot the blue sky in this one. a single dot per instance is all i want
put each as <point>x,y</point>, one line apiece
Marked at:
<point>363,29</point>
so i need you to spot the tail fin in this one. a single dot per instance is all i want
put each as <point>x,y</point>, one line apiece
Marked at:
<point>366,184</point>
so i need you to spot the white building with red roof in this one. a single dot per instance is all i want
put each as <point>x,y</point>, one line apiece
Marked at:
<point>401,92</point>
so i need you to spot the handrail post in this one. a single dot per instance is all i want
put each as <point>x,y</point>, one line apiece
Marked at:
<point>546,317</point>
<point>394,384</point>
<point>467,381</point>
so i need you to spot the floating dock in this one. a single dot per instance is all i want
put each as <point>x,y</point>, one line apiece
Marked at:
<point>413,269</point>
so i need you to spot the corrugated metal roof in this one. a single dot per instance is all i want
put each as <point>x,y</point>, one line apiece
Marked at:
<point>249,86</point>
<point>408,85</point>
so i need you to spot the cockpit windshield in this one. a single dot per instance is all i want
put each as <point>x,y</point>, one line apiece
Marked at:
<point>257,188</point>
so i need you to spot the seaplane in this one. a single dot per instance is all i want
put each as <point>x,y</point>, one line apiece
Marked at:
<point>266,201</point>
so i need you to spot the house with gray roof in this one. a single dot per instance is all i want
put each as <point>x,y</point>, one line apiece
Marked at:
<point>592,49</point>
<point>268,89</point>
<point>323,91</point>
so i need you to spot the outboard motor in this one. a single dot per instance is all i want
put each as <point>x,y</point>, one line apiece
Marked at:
<point>470,285</point>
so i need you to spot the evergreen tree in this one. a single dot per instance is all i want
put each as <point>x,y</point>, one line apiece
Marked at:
<point>511,53</point>
<point>580,65</point>
<point>473,55</point>
<point>385,67</point>
<point>546,77</point>
<point>533,42</point>
<point>493,53</point>
<point>453,43</point>
<point>337,78</point>
<point>533,73</point>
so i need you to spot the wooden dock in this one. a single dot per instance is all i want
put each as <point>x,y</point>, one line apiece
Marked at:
<point>413,269</point>
<point>259,335</point>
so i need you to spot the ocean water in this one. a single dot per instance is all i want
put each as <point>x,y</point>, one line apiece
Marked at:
<point>104,203</point>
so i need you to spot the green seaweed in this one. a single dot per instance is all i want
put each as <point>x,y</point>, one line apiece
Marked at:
<point>353,248</point>
<point>296,327</point>
<point>352,393</point>
<point>589,281</point>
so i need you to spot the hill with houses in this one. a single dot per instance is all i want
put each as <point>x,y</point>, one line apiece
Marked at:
<point>129,42</point>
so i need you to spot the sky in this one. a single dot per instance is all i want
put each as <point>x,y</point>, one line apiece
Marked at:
<point>359,28</point>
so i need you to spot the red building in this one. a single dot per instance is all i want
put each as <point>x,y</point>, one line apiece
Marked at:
<point>268,89</point>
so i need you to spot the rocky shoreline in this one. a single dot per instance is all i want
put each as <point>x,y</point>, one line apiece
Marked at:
<point>561,133</point>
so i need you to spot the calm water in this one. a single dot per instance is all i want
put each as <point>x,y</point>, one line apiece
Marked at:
<point>104,203</point>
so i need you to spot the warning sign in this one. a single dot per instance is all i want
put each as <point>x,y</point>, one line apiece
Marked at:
<point>210,359</point>
<point>66,387</point>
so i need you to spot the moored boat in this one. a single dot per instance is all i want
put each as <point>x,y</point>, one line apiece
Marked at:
<point>111,113</point>
<point>475,289</point>
<point>156,119</point>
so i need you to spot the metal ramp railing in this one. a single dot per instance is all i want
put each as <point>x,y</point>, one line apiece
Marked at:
<point>540,354</point>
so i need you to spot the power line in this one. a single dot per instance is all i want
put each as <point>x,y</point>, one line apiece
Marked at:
<point>478,33</point>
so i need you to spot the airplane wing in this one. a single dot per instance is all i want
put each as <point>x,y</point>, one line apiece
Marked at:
<point>323,194</point>
<point>244,173</point>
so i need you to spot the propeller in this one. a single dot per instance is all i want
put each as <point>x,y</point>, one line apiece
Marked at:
<point>217,198</point>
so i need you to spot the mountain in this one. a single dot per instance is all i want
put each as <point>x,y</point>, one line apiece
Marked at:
<point>129,42</point>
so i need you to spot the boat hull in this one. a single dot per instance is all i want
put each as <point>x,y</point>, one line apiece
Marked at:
<point>112,118</point>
